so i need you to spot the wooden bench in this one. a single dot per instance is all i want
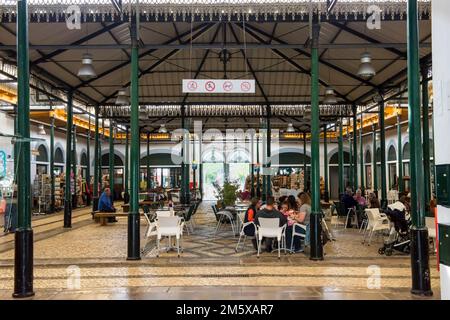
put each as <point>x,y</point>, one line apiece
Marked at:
<point>102,217</point>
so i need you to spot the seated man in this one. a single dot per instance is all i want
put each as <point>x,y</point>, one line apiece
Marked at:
<point>105,204</point>
<point>270,212</point>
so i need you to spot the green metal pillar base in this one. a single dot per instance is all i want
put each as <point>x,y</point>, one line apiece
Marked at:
<point>23,264</point>
<point>95,203</point>
<point>421,283</point>
<point>67,214</point>
<point>315,226</point>
<point>133,234</point>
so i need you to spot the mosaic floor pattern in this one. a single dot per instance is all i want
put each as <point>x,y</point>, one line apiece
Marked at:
<point>88,261</point>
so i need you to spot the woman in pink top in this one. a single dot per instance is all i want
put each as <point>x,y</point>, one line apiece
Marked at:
<point>359,198</point>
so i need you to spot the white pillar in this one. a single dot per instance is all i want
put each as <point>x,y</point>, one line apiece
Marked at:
<point>441,102</point>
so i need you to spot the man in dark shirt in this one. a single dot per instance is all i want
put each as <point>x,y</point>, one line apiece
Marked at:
<point>270,212</point>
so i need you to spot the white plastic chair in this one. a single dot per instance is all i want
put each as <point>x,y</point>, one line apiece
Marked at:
<point>392,196</point>
<point>151,228</point>
<point>242,234</point>
<point>164,213</point>
<point>169,227</point>
<point>225,214</point>
<point>295,233</point>
<point>376,222</point>
<point>270,228</point>
<point>430,223</point>
<point>354,217</point>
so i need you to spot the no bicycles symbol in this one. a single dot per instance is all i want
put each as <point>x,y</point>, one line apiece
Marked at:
<point>210,86</point>
<point>228,86</point>
<point>245,86</point>
<point>192,85</point>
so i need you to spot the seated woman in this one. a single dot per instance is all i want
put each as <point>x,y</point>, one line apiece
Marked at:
<point>250,214</point>
<point>373,201</point>
<point>359,198</point>
<point>300,217</point>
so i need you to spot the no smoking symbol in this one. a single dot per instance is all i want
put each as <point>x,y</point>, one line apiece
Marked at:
<point>192,85</point>
<point>245,86</point>
<point>228,86</point>
<point>210,86</point>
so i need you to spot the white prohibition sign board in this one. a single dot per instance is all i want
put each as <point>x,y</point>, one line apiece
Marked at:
<point>218,86</point>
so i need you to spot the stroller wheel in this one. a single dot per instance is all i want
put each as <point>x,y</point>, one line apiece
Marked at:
<point>389,252</point>
<point>381,251</point>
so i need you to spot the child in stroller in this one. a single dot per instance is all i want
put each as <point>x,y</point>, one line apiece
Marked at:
<point>399,238</point>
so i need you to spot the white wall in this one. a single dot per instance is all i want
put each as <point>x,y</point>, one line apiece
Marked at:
<point>441,86</point>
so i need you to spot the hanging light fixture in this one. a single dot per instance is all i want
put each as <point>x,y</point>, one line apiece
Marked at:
<point>366,70</point>
<point>86,71</point>
<point>290,128</point>
<point>330,96</point>
<point>162,129</point>
<point>41,130</point>
<point>122,98</point>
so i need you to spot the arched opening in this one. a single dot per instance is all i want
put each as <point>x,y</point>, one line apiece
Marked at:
<point>165,170</point>
<point>118,174</point>
<point>84,163</point>
<point>334,173</point>
<point>406,167</point>
<point>59,161</point>
<point>392,167</point>
<point>42,160</point>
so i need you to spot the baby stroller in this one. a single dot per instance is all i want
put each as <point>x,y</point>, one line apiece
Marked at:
<point>399,237</point>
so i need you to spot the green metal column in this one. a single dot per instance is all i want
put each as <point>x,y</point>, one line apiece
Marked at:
<point>341,160</point>
<point>68,184</point>
<point>74,167</point>
<point>426,142</point>
<point>419,233</point>
<point>264,159</point>
<point>268,153</point>
<point>355,150</point>
<point>374,160</point>
<point>147,163</point>
<point>361,157</point>
<point>134,216</point>
<point>127,169</point>
<point>88,167</point>
<point>52,165</point>
<point>350,171</point>
<point>252,167</point>
<point>194,168</point>
<point>383,155</point>
<point>96,162</point>
<point>183,155</point>
<point>111,159</point>
<point>100,160</point>
<point>258,169</point>
<point>305,174</point>
<point>325,164</point>
<point>401,184</point>
<point>200,166</point>
<point>315,226</point>
<point>23,244</point>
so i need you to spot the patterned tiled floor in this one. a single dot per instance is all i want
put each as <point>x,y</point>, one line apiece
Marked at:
<point>88,262</point>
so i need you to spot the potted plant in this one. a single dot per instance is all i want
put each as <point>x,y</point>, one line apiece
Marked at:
<point>229,194</point>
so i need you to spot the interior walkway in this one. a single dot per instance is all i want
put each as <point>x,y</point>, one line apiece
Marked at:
<point>208,269</point>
